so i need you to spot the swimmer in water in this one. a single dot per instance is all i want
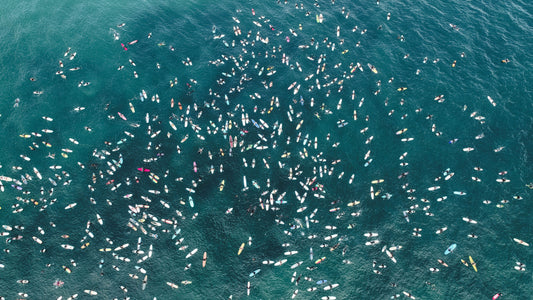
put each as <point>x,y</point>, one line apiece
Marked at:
<point>58,283</point>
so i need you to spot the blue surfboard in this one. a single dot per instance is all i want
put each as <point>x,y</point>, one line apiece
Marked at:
<point>450,249</point>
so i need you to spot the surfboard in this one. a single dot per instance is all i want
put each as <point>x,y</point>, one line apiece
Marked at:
<point>450,249</point>
<point>320,260</point>
<point>520,242</point>
<point>240,249</point>
<point>472,263</point>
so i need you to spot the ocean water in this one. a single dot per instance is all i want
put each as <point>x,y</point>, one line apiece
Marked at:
<point>464,64</point>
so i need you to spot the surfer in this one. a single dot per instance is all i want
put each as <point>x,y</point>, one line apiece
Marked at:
<point>58,283</point>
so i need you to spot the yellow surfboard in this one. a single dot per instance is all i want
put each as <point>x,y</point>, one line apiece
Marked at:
<point>320,260</point>
<point>473,263</point>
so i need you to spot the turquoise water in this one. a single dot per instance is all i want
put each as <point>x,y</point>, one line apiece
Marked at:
<point>37,34</point>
